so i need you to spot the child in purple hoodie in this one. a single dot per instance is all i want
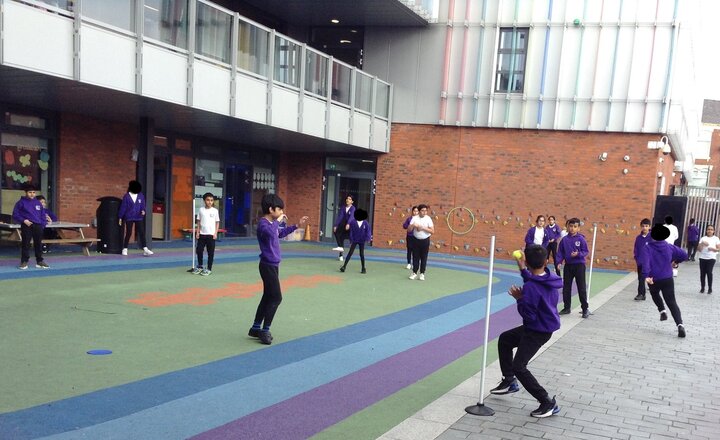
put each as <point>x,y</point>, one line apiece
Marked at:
<point>537,304</point>
<point>658,261</point>
<point>693,238</point>
<point>269,236</point>
<point>640,242</point>
<point>571,254</point>
<point>31,215</point>
<point>410,237</point>
<point>360,233</point>
<point>132,212</point>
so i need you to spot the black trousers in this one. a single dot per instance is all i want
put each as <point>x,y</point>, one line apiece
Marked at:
<point>350,253</point>
<point>576,272</point>
<point>706,268</point>
<point>667,287</point>
<point>421,248</point>
<point>409,246</point>
<point>528,343</point>
<point>341,235</point>
<point>272,296</point>
<point>692,248</point>
<point>33,233</point>
<point>139,233</point>
<point>552,251</point>
<point>209,241</point>
<point>641,281</point>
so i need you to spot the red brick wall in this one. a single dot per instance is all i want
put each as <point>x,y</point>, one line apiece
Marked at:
<point>508,177</point>
<point>300,186</point>
<point>94,161</point>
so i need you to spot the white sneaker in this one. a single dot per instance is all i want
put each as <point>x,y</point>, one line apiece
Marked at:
<point>147,252</point>
<point>340,258</point>
<point>409,267</point>
<point>413,276</point>
<point>422,277</point>
<point>338,249</point>
<point>124,251</point>
<point>197,271</point>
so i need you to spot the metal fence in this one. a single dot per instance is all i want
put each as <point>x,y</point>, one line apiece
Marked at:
<point>703,205</point>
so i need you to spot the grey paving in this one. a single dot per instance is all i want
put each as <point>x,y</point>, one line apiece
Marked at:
<point>620,374</point>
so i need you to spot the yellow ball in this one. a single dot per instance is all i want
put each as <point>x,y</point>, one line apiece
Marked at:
<point>517,254</point>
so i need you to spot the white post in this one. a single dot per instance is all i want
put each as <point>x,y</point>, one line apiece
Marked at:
<point>192,268</point>
<point>480,409</point>
<point>592,260</point>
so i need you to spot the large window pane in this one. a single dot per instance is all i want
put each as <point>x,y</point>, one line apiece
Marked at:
<point>363,92</point>
<point>213,31</point>
<point>382,100</point>
<point>287,62</point>
<point>119,13</point>
<point>167,21</point>
<point>341,83</point>
<point>253,44</point>
<point>316,70</point>
<point>512,51</point>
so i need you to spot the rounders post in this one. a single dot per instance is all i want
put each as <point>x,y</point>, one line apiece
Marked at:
<point>592,260</point>
<point>480,409</point>
<point>192,268</point>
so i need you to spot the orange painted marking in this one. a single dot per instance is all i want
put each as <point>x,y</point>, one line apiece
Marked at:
<point>200,296</point>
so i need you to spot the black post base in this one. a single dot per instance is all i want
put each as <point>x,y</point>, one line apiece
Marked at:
<point>480,410</point>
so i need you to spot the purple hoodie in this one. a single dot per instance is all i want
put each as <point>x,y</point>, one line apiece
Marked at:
<point>693,234</point>
<point>538,305</point>
<point>269,236</point>
<point>360,234</point>
<point>132,212</point>
<point>530,237</point>
<point>29,209</point>
<point>570,244</point>
<point>656,261</point>
<point>640,242</point>
<point>345,216</point>
<point>553,232</point>
<point>406,225</point>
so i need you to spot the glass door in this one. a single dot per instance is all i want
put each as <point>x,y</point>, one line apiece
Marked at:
<point>238,200</point>
<point>337,185</point>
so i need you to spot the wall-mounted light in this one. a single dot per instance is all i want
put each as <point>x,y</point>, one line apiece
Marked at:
<point>334,21</point>
<point>625,170</point>
<point>603,156</point>
<point>626,158</point>
<point>345,41</point>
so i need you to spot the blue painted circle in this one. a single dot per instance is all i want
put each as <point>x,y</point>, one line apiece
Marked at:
<point>99,352</point>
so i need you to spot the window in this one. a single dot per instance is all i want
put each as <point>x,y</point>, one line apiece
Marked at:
<point>120,13</point>
<point>512,52</point>
<point>167,21</point>
<point>212,36</point>
<point>287,62</point>
<point>341,83</point>
<point>253,44</point>
<point>316,73</point>
<point>363,91</point>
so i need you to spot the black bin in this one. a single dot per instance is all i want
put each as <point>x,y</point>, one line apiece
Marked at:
<point>108,230</point>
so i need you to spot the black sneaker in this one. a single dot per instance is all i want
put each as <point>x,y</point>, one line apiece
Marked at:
<point>506,386</point>
<point>363,270</point>
<point>342,268</point>
<point>663,316</point>
<point>565,311</point>
<point>709,291</point>
<point>42,265</point>
<point>266,337</point>
<point>681,331</point>
<point>585,313</point>
<point>546,409</point>
<point>639,297</point>
<point>254,332</point>
<point>702,290</point>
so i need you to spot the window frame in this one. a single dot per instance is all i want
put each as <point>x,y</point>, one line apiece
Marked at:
<point>513,51</point>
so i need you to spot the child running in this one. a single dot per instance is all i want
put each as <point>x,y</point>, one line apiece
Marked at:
<point>537,304</point>
<point>269,237</point>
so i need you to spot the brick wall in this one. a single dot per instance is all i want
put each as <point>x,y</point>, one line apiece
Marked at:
<point>94,161</point>
<point>300,186</point>
<point>508,177</point>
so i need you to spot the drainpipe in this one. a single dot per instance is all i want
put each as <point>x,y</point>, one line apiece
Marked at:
<point>446,63</point>
<point>544,67</point>
<point>466,23</point>
<point>478,74</point>
<point>671,72</point>
<point>612,75</point>
<point>652,53</point>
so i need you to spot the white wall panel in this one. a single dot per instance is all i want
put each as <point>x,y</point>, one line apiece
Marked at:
<point>164,74</point>
<point>534,61</point>
<point>284,108</point>
<point>380,133</point>
<point>37,40</point>
<point>634,116</point>
<point>107,58</point>
<point>211,87</point>
<point>314,116</point>
<point>652,118</point>
<point>582,116</point>
<point>637,84</point>
<point>588,62</point>
<point>658,74</point>
<point>564,114</point>
<point>361,130</point>
<point>339,123</point>
<point>250,98</point>
<point>598,115</point>
<point>622,66</point>
<point>617,116</point>
<point>570,60</point>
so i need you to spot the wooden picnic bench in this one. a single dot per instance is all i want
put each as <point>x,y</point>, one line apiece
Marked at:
<point>69,233</point>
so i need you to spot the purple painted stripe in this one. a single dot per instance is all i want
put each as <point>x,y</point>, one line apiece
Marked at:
<point>313,411</point>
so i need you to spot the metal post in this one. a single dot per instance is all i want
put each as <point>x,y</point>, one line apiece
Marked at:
<point>592,260</point>
<point>480,409</point>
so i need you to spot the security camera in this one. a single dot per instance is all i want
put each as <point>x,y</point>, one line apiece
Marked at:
<point>666,149</point>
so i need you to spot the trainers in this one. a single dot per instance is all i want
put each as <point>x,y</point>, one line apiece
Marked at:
<point>197,271</point>
<point>42,265</point>
<point>124,251</point>
<point>265,337</point>
<point>702,290</point>
<point>147,252</point>
<point>337,249</point>
<point>254,332</point>
<point>342,268</point>
<point>205,272</point>
<point>663,316</point>
<point>639,297</point>
<point>413,276</point>
<point>408,267</point>
<point>546,409</point>
<point>340,258</point>
<point>22,266</point>
<point>506,386</point>
<point>422,277</point>
<point>565,311</point>
<point>363,270</point>
<point>585,313</point>
<point>681,331</point>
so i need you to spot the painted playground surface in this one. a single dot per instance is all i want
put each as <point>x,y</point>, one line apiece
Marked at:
<point>353,355</point>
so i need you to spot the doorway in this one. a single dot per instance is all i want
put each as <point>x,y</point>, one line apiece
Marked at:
<point>238,200</point>
<point>337,185</point>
